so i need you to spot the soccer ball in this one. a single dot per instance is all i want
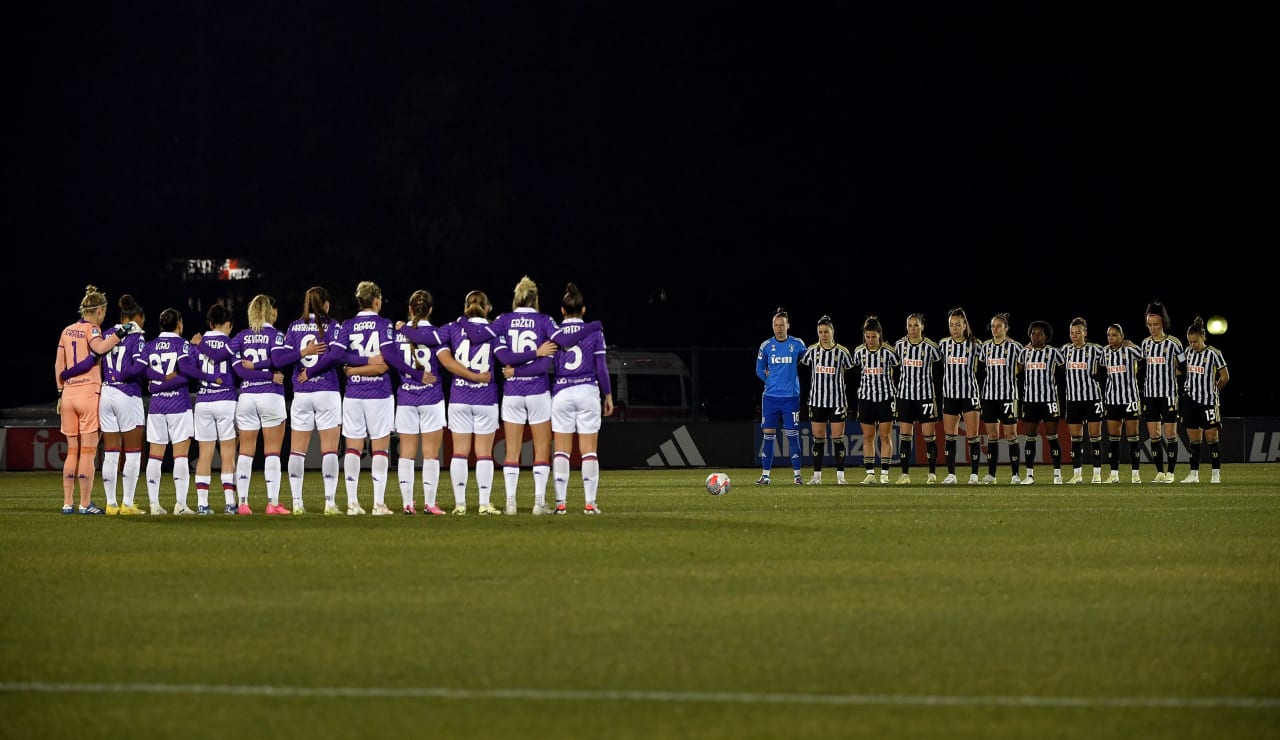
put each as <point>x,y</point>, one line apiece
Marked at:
<point>717,484</point>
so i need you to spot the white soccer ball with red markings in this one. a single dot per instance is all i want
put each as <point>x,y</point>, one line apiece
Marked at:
<point>717,484</point>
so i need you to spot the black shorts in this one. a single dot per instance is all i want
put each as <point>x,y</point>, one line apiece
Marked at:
<point>1004,412</point>
<point>958,406</point>
<point>1200,416</point>
<point>1035,412</point>
<point>828,415</point>
<point>1123,411</point>
<point>911,411</point>
<point>1160,409</point>
<point>876,412</point>
<point>1079,412</point>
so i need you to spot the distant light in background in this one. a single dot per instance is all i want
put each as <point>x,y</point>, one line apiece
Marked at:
<point>1216,325</point>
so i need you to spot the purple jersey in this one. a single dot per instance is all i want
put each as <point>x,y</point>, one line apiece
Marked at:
<point>216,357</point>
<point>123,367</point>
<point>521,332</point>
<point>476,355</point>
<point>364,335</point>
<point>321,375</point>
<point>255,345</point>
<point>584,362</point>
<point>166,354</point>
<point>415,349</point>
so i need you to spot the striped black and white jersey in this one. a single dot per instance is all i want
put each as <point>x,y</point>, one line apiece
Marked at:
<point>915,368</point>
<point>1160,378</point>
<point>827,375</point>
<point>1122,375</point>
<point>959,367</point>
<point>1040,374</point>
<point>875,381</point>
<point>1081,364</point>
<point>1202,366</point>
<point>1001,361</point>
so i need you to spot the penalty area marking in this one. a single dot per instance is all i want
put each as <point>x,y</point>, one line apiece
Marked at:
<point>673,697</point>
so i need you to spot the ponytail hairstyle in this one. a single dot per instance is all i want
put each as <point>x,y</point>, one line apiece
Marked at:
<point>1042,326</point>
<point>93,299</point>
<point>968,330</point>
<point>786,319</point>
<point>872,323</point>
<point>129,309</point>
<point>366,293</point>
<point>262,311</point>
<point>1197,326</point>
<point>526,294</point>
<point>572,303</point>
<point>420,305</point>
<point>1157,309</point>
<point>217,315</point>
<point>313,305</point>
<point>476,305</point>
<point>1080,322</point>
<point>1003,318</point>
<point>1119,329</point>
<point>169,319</point>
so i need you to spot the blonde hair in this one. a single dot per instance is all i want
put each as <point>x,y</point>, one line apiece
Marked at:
<point>93,299</point>
<point>366,293</point>
<point>526,295</point>
<point>262,310</point>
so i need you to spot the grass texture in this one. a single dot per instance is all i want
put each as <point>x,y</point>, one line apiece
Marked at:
<point>782,611</point>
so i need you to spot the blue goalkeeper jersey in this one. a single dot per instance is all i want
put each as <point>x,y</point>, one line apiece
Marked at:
<point>778,365</point>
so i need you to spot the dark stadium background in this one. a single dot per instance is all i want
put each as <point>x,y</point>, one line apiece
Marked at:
<point>691,166</point>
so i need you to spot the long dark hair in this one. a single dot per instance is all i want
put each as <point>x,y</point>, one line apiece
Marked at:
<point>129,309</point>
<point>1156,308</point>
<point>572,302</point>
<point>169,319</point>
<point>968,326</point>
<point>313,305</point>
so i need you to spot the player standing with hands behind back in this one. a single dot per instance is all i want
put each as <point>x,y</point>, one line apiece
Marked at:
<point>1162,354</point>
<point>1206,374</point>
<point>828,397</point>
<point>777,364</point>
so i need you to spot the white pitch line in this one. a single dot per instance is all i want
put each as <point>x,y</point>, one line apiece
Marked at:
<point>675,697</point>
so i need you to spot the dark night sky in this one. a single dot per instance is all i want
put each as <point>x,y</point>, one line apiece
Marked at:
<point>1047,161</point>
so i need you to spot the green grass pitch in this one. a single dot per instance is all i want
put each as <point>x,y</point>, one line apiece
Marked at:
<point>781,612</point>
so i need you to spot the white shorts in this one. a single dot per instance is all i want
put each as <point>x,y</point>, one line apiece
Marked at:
<point>257,410</point>
<point>464,418</point>
<point>420,419</point>
<point>527,409</point>
<point>368,418</point>
<point>118,411</point>
<point>576,409</point>
<point>163,429</point>
<point>215,420</point>
<point>316,410</point>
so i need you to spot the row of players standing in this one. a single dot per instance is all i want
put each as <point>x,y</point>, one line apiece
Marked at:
<point>995,386</point>
<point>555,380</point>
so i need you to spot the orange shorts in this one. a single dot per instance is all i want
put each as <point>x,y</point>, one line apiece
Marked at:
<point>80,411</point>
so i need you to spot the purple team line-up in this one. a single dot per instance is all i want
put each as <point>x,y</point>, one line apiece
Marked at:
<point>354,381</point>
